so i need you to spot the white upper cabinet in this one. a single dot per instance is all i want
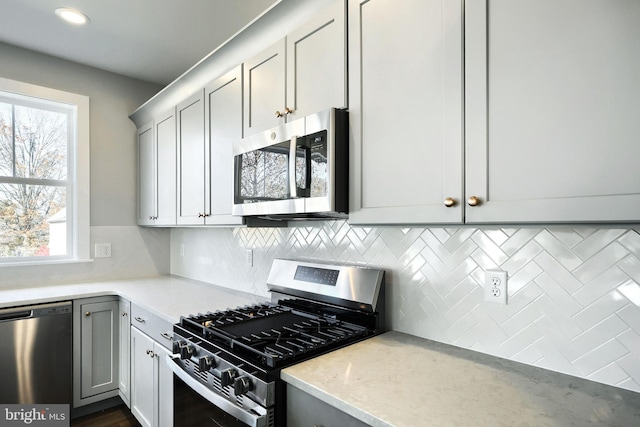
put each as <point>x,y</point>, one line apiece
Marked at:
<point>549,111</point>
<point>157,171</point>
<point>165,137</point>
<point>146,175</point>
<point>192,163</point>
<point>223,112</point>
<point>552,111</point>
<point>208,124</point>
<point>299,75</point>
<point>317,63</point>
<point>405,111</point>
<point>264,90</point>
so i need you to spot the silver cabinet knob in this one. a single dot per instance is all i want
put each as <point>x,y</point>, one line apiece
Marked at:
<point>473,201</point>
<point>449,201</point>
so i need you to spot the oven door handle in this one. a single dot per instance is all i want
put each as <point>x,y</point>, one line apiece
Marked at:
<point>253,420</point>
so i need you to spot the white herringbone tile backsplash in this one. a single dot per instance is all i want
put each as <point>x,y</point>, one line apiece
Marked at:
<point>574,293</point>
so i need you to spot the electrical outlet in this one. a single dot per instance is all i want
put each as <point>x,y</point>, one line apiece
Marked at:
<point>249,259</point>
<point>103,250</point>
<point>495,286</point>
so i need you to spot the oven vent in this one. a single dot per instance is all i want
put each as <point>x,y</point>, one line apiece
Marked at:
<point>204,376</point>
<point>271,422</point>
<point>225,391</point>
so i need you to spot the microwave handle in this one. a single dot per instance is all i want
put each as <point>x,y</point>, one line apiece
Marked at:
<point>293,189</point>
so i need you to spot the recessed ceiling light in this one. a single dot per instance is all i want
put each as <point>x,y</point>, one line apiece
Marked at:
<point>72,16</point>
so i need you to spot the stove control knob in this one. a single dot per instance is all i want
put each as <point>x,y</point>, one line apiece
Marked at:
<point>241,385</point>
<point>186,350</point>
<point>227,376</point>
<point>177,345</point>
<point>205,363</point>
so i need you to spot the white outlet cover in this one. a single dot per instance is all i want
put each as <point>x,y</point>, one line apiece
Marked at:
<point>495,286</point>
<point>103,250</point>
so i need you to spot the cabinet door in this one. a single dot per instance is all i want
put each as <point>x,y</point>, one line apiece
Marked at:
<point>264,90</point>
<point>99,326</point>
<point>191,160</point>
<point>405,111</point>
<point>305,410</point>
<point>146,176</point>
<point>317,63</point>
<point>124,362</point>
<point>163,388</point>
<point>165,137</point>
<point>552,110</point>
<point>223,112</point>
<point>142,377</point>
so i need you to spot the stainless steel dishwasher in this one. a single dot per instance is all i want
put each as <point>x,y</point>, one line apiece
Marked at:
<point>35,361</point>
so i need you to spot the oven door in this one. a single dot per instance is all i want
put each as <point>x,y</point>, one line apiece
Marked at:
<point>197,405</point>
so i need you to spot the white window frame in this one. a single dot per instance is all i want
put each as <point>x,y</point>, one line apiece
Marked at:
<point>78,173</point>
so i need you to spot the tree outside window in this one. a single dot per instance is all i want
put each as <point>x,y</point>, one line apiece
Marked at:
<point>36,139</point>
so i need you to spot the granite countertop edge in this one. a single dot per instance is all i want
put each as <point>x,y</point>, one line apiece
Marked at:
<point>440,384</point>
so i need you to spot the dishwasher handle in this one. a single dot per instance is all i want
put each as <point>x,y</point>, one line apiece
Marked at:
<point>15,315</point>
<point>33,311</point>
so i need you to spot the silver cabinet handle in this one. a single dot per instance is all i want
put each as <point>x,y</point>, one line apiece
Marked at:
<point>140,319</point>
<point>167,336</point>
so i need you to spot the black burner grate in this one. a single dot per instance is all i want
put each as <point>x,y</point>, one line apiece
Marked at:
<point>273,334</point>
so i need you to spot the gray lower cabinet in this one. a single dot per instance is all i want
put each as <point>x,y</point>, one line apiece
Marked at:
<point>125,364</point>
<point>96,335</point>
<point>304,410</point>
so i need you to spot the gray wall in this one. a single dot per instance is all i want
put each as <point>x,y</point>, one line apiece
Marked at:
<point>112,98</point>
<point>136,252</point>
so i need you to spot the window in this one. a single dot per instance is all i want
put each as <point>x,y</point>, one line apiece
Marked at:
<point>44,174</point>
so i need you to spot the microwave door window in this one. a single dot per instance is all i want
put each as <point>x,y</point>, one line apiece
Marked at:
<point>264,174</point>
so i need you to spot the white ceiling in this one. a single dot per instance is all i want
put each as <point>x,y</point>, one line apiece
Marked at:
<point>152,40</point>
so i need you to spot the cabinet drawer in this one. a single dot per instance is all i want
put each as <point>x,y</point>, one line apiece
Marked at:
<point>158,329</point>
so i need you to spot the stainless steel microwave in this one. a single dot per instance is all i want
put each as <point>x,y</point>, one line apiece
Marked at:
<point>295,171</point>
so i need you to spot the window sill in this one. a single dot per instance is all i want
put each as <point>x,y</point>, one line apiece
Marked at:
<point>44,262</point>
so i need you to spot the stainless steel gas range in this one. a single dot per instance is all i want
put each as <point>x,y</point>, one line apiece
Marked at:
<point>227,363</point>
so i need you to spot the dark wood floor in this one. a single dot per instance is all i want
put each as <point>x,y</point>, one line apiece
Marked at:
<point>118,416</point>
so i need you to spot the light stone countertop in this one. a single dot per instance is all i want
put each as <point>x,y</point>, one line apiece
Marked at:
<point>400,380</point>
<point>392,379</point>
<point>168,297</point>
